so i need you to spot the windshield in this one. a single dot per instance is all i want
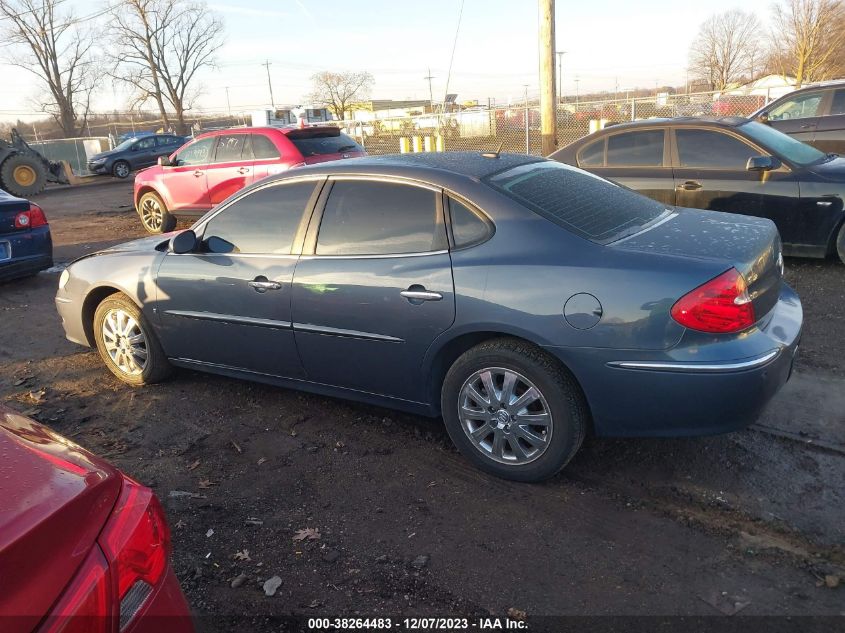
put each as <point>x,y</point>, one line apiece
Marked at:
<point>580,202</point>
<point>126,144</point>
<point>784,146</point>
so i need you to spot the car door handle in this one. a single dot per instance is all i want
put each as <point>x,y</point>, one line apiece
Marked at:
<point>689,185</point>
<point>243,170</point>
<point>262,285</point>
<point>197,173</point>
<point>419,293</point>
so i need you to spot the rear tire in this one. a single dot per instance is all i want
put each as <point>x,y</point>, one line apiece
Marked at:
<point>127,344</point>
<point>154,215</point>
<point>840,243</point>
<point>121,169</point>
<point>23,175</point>
<point>501,427</point>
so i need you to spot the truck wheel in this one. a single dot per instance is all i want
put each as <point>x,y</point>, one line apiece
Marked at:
<point>23,175</point>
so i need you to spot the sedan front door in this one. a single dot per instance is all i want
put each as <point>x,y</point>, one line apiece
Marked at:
<point>710,173</point>
<point>374,288</point>
<point>798,116</point>
<point>185,178</point>
<point>229,170</point>
<point>143,153</point>
<point>229,304</point>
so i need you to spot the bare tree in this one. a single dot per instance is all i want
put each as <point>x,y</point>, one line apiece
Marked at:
<point>725,49</point>
<point>159,46</point>
<point>808,37</point>
<point>58,49</point>
<point>340,91</point>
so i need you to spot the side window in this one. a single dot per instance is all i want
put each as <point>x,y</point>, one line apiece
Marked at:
<point>713,150</point>
<point>197,153</point>
<point>264,221</point>
<point>229,148</point>
<point>163,141</point>
<point>379,218</point>
<point>467,227</point>
<point>635,149</point>
<point>837,106</point>
<point>592,155</point>
<point>800,107</point>
<point>263,148</point>
<point>146,143</point>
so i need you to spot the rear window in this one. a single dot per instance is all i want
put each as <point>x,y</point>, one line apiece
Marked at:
<point>580,202</point>
<point>319,143</point>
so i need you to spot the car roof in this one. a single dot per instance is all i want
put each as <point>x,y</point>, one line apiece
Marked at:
<point>474,165</point>
<point>270,129</point>
<point>725,121</point>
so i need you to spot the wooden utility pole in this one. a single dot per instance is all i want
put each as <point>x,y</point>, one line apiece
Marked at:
<point>548,120</point>
<point>266,64</point>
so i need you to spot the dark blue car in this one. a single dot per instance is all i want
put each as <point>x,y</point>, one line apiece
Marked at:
<point>525,301</point>
<point>136,152</point>
<point>26,246</point>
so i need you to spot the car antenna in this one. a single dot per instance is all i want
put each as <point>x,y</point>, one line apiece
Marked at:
<point>493,154</point>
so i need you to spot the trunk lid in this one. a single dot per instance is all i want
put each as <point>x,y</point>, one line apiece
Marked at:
<point>10,206</point>
<point>751,245</point>
<point>55,498</point>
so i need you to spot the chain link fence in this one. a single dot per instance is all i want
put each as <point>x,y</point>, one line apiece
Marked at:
<point>517,128</point>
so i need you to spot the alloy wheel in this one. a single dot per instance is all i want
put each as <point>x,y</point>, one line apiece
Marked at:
<point>125,342</point>
<point>152,214</point>
<point>505,416</point>
<point>121,170</point>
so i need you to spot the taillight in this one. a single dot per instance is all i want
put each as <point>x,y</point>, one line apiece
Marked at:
<point>720,306</point>
<point>85,606</point>
<point>136,541</point>
<point>31,219</point>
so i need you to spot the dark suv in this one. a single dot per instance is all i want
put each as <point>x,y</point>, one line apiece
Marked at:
<point>134,153</point>
<point>814,114</point>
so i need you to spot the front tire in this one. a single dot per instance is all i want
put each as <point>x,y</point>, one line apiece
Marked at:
<point>127,343</point>
<point>154,215</point>
<point>840,243</point>
<point>513,411</point>
<point>121,169</point>
<point>23,176</point>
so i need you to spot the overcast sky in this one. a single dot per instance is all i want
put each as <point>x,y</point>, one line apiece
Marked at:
<point>607,43</point>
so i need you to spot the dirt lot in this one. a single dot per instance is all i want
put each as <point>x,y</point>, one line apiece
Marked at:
<point>750,521</point>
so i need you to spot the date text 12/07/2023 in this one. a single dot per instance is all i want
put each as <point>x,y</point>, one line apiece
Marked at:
<point>486,623</point>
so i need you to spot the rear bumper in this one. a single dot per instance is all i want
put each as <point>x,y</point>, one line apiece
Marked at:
<point>167,610</point>
<point>689,390</point>
<point>31,252</point>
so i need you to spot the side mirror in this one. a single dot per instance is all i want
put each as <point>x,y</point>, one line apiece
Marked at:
<point>184,242</point>
<point>164,161</point>
<point>218,245</point>
<point>763,117</point>
<point>762,163</point>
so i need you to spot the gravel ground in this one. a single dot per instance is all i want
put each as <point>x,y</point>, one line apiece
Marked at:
<point>360,510</point>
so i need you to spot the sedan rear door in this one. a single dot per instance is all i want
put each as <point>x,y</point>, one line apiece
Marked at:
<point>374,287</point>
<point>830,131</point>
<point>710,173</point>
<point>635,158</point>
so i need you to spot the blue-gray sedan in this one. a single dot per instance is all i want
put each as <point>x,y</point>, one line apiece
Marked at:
<point>525,301</point>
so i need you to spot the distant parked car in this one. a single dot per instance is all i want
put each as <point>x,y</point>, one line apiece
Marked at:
<point>737,105</point>
<point>814,115</point>
<point>524,300</point>
<point>726,164</point>
<point>26,246</point>
<point>205,172</point>
<point>82,546</point>
<point>134,153</point>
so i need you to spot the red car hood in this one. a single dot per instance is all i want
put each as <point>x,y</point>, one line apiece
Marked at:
<point>55,498</point>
